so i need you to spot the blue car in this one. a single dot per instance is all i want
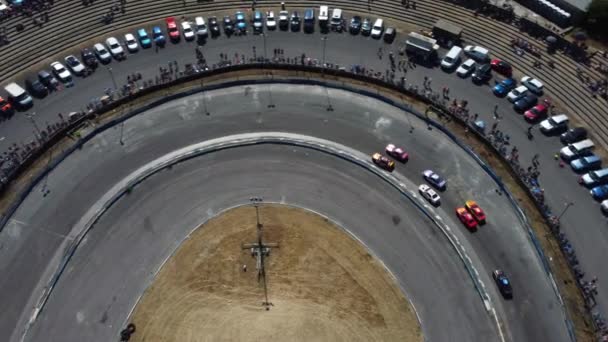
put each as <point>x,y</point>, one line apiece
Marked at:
<point>144,39</point>
<point>502,88</point>
<point>599,193</point>
<point>435,180</point>
<point>241,25</point>
<point>158,36</point>
<point>587,163</point>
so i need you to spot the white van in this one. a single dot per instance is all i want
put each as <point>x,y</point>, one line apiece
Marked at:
<point>452,58</point>
<point>18,96</point>
<point>378,28</point>
<point>578,149</point>
<point>336,19</point>
<point>200,27</point>
<point>323,15</point>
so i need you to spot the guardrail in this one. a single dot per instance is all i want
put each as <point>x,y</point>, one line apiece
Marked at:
<point>333,72</point>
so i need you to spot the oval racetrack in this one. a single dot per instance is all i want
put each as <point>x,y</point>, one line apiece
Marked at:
<point>121,254</point>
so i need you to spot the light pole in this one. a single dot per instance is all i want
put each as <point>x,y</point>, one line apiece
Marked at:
<point>204,101</point>
<point>324,39</point>
<point>568,205</point>
<point>271,102</point>
<point>264,37</point>
<point>329,106</point>
<point>112,77</point>
<point>31,116</point>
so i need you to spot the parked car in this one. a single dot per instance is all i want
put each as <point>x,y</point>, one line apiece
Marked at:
<point>503,284</point>
<point>144,40</point>
<point>131,43</point>
<point>355,25</point>
<point>102,53</point>
<point>482,73</point>
<point>576,150</point>
<point>478,53</point>
<point>366,27</point>
<point>536,113</point>
<point>517,93</point>
<point>525,103</point>
<point>74,64</point>
<point>533,84</point>
<point>573,135</point>
<point>295,21</point>
<point>187,31</point>
<point>594,178</point>
<point>271,22</point>
<point>201,27</point>
<point>88,58</point>
<point>452,58</point>
<point>241,23</point>
<point>61,72</point>
<point>158,36</point>
<point>604,207</point>
<point>466,68</point>
<point>6,109</point>
<point>586,164</point>
<point>554,124</point>
<point>48,80</point>
<point>283,20</point>
<point>390,34</point>
<point>18,97</point>
<point>502,67</point>
<point>378,29</point>
<point>309,20</point>
<point>504,86</point>
<point>258,22</point>
<point>599,193</point>
<point>172,29</point>
<point>36,88</point>
<point>214,26</point>
<point>115,49</point>
<point>228,25</point>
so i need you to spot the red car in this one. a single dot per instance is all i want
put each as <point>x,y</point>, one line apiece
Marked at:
<point>383,162</point>
<point>501,67</point>
<point>5,107</point>
<point>397,153</point>
<point>466,218</point>
<point>172,28</point>
<point>476,211</point>
<point>536,113</point>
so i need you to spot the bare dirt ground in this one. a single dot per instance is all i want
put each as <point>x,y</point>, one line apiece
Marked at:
<point>323,286</point>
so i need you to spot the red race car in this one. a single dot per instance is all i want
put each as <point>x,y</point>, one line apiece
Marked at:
<point>536,113</point>
<point>501,67</point>
<point>383,162</point>
<point>172,28</point>
<point>476,211</point>
<point>466,218</point>
<point>397,153</point>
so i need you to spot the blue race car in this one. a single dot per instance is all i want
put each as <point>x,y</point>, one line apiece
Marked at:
<point>435,180</point>
<point>599,193</point>
<point>144,39</point>
<point>241,25</point>
<point>585,164</point>
<point>158,36</point>
<point>502,88</point>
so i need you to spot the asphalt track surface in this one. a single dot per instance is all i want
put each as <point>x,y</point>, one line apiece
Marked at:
<point>120,255</point>
<point>583,222</point>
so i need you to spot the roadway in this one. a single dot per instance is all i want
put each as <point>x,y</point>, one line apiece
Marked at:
<point>191,192</point>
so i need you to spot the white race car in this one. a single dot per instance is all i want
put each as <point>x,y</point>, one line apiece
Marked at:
<point>429,194</point>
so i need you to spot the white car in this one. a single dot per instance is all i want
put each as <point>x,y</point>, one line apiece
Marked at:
<point>517,93</point>
<point>61,72</point>
<point>478,53</point>
<point>102,53</point>
<point>271,22</point>
<point>554,123</point>
<point>74,64</point>
<point>284,20</point>
<point>466,68</point>
<point>131,43</point>
<point>429,194</point>
<point>377,29</point>
<point>187,30</point>
<point>532,84</point>
<point>114,46</point>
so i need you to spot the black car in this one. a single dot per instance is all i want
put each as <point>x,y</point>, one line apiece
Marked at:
<point>36,88</point>
<point>48,79</point>
<point>228,25</point>
<point>295,21</point>
<point>525,103</point>
<point>390,34</point>
<point>88,58</point>
<point>366,27</point>
<point>503,283</point>
<point>482,73</point>
<point>355,25</point>
<point>214,27</point>
<point>573,135</point>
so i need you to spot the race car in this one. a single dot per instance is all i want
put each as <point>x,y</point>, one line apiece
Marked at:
<point>476,211</point>
<point>397,153</point>
<point>383,162</point>
<point>429,194</point>
<point>466,218</point>
<point>434,179</point>
<point>503,283</point>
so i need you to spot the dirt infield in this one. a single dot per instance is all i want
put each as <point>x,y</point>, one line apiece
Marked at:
<point>323,286</point>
